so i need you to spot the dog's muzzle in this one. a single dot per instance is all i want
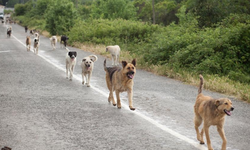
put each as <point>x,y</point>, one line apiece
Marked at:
<point>130,74</point>
<point>228,112</point>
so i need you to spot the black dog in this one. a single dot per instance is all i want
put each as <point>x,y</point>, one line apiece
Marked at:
<point>9,31</point>
<point>64,39</point>
<point>26,29</point>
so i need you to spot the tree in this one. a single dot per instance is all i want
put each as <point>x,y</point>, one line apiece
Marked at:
<point>112,9</point>
<point>153,7</point>
<point>60,17</point>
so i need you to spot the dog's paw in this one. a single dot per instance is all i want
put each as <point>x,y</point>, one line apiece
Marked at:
<point>83,83</point>
<point>131,108</point>
<point>70,79</point>
<point>114,104</point>
<point>201,142</point>
<point>88,85</point>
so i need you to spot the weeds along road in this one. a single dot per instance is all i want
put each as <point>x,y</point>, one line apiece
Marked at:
<point>41,109</point>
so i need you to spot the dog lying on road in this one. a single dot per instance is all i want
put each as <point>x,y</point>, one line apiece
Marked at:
<point>115,53</point>
<point>28,43</point>
<point>70,63</point>
<point>87,68</point>
<point>120,80</point>
<point>53,41</point>
<point>211,112</point>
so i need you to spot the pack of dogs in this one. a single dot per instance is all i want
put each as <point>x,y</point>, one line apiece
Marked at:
<point>207,110</point>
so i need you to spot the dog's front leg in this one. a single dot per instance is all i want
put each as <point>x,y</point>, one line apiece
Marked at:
<point>113,63</point>
<point>88,80</point>
<point>111,97</point>
<point>130,99</point>
<point>117,93</point>
<point>71,72</point>
<point>206,129</point>
<point>222,135</point>
<point>83,78</point>
<point>67,73</point>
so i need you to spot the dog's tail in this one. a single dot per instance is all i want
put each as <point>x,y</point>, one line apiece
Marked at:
<point>201,84</point>
<point>104,65</point>
<point>67,49</point>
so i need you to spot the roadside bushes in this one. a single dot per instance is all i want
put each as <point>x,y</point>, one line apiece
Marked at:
<point>118,31</point>
<point>60,17</point>
<point>222,50</point>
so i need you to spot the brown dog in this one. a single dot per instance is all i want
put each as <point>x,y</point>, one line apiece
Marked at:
<point>119,80</point>
<point>28,43</point>
<point>212,112</point>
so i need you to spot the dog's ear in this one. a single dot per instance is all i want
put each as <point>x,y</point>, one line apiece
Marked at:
<point>124,64</point>
<point>93,58</point>
<point>217,103</point>
<point>134,62</point>
<point>84,59</point>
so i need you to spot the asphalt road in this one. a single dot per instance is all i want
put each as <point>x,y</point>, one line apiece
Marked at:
<point>41,109</point>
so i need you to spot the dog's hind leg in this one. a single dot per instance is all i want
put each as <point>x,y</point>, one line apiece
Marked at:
<point>222,135</point>
<point>197,123</point>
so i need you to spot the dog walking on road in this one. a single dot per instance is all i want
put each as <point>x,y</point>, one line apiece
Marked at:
<point>120,80</point>
<point>211,111</point>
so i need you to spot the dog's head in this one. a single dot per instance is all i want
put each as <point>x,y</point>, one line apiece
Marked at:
<point>72,54</point>
<point>129,68</point>
<point>224,105</point>
<point>36,40</point>
<point>89,61</point>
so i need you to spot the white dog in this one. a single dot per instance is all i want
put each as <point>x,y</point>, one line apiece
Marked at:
<point>36,45</point>
<point>53,41</point>
<point>115,53</point>
<point>87,68</point>
<point>36,35</point>
<point>70,63</point>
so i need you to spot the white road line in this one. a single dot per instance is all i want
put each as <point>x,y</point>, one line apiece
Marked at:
<point>4,51</point>
<point>164,128</point>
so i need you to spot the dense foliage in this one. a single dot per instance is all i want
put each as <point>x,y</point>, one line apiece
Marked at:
<point>206,36</point>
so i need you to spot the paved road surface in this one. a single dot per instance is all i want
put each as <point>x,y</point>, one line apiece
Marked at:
<point>41,109</point>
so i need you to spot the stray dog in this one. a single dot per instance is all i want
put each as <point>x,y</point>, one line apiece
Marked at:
<point>70,63</point>
<point>64,39</point>
<point>119,80</point>
<point>26,29</point>
<point>87,68</point>
<point>53,41</point>
<point>28,43</point>
<point>36,45</point>
<point>32,32</point>
<point>9,30</point>
<point>115,53</point>
<point>211,112</point>
<point>36,35</point>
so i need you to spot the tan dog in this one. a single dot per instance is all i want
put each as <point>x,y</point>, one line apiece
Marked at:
<point>87,68</point>
<point>212,112</point>
<point>28,43</point>
<point>120,80</point>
